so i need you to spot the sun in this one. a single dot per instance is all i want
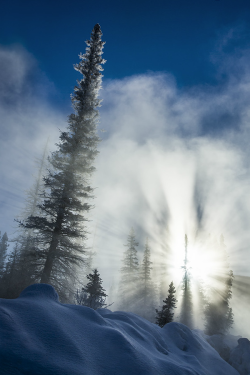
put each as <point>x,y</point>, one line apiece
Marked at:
<point>200,263</point>
<point>202,260</point>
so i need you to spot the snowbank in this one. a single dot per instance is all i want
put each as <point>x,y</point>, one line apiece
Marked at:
<point>40,336</point>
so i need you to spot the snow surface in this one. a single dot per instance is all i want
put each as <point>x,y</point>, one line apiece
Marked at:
<point>240,357</point>
<point>223,344</point>
<point>41,336</point>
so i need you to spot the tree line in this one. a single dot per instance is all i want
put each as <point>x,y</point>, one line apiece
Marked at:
<point>138,293</point>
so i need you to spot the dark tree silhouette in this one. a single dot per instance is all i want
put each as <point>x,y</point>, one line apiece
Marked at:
<point>92,295</point>
<point>166,314</point>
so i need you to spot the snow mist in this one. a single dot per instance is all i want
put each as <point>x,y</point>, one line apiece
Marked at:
<point>172,163</point>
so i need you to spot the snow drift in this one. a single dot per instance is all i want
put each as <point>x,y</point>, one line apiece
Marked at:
<point>39,335</point>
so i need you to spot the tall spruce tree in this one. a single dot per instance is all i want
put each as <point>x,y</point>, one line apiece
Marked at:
<point>129,275</point>
<point>60,224</point>
<point>92,295</point>
<point>166,314</point>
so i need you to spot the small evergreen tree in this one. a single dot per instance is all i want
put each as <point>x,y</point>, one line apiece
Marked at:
<point>166,314</point>
<point>92,295</point>
<point>218,314</point>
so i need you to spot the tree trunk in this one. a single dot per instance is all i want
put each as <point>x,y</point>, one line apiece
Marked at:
<point>45,278</point>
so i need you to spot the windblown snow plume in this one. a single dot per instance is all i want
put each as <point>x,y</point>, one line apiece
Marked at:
<point>172,163</point>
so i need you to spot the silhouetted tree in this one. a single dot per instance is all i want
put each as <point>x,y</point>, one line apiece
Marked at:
<point>60,223</point>
<point>92,295</point>
<point>166,314</point>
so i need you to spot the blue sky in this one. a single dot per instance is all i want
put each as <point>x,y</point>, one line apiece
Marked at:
<point>175,36</point>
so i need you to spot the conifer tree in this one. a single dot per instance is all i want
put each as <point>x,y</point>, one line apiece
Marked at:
<point>10,282</point>
<point>146,292</point>
<point>146,265</point>
<point>26,266</point>
<point>92,295</point>
<point>166,314</point>
<point>129,274</point>
<point>186,316</point>
<point>11,265</point>
<point>61,222</point>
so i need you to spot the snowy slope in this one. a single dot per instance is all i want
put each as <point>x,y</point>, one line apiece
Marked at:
<point>40,336</point>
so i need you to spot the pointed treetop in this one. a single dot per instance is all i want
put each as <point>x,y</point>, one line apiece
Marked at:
<point>97,32</point>
<point>85,95</point>
<point>97,27</point>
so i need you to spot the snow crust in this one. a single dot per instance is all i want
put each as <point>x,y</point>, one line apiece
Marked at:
<point>39,335</point>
